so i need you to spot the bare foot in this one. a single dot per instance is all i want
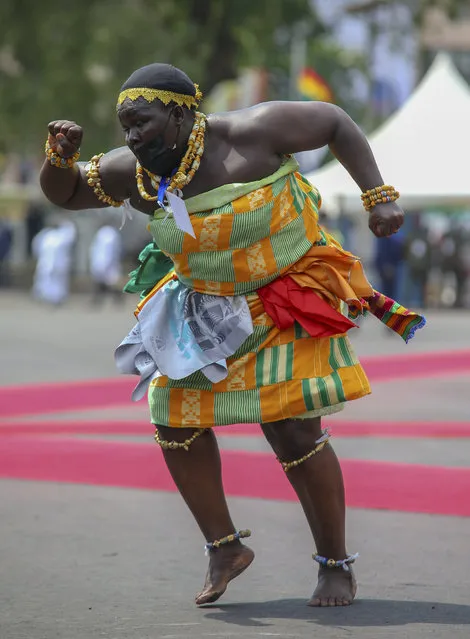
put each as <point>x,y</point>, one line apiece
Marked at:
<point>225,564</point>
<point>335,587</point>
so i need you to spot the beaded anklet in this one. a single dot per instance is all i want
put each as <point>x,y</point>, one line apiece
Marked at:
<point>174,445</point>
<point>212,546</point>
<point>336,563</point>
<point>320,445</point>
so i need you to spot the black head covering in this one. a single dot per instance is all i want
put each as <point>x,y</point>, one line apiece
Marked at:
<point>163,82</point>
<point>161,76</point>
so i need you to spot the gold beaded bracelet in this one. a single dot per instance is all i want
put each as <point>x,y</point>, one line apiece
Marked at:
<point>94,181</point>
<point>379,195</point>
<point>57,160</point>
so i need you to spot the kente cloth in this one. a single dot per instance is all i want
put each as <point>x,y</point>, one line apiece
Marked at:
<point>247,237</point>
<point>400,319</point>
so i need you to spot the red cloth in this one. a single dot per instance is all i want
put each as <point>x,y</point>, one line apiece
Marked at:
<point>285,301</point>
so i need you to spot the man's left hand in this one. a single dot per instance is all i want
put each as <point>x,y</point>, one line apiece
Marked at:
<point>386,219</point>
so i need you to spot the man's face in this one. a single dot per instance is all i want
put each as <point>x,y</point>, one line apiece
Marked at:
<point>150,132</point>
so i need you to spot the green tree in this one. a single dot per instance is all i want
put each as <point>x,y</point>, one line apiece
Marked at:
<point>68,60</point>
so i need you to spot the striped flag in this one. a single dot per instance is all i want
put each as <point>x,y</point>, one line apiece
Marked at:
<point>312,86</point>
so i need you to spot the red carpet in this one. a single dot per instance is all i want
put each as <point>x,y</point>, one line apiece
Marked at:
<point>338,428</point>
<point>70,396</point>
<point>35,399</point>
<point>422,365</point>
<point>399,429</point>
<point>402,487</point>
<point>42,451</point>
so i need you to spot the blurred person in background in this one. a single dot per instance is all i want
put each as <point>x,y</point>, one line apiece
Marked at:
<point>388,261</point>
<point>35,216</point>
<point>53,249</point>
<point>245,324</point>
<point>455,250</point>
<point>105,264</point>
<point>418,258</point>
<point>6,243</point>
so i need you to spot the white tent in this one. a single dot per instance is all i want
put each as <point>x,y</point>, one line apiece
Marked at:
<point>423,149</point>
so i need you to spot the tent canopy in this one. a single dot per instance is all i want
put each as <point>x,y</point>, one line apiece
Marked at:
<point>423,149</point>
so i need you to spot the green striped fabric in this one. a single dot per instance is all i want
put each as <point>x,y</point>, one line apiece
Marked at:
<point>159,404</point>
<point>290,244</point>
<point>275,364</point>
<point>321,392</point>
<point>250,227</point>
<point>211,265</point>
<point>245,403</point>
<point>341,353</point>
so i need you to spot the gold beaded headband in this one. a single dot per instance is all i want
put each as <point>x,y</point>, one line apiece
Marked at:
<point>161,94</point>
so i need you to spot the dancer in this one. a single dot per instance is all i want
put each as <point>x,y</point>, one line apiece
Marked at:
<point>240,318</point>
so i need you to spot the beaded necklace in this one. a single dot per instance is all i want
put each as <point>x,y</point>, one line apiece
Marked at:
<point>187,168</point>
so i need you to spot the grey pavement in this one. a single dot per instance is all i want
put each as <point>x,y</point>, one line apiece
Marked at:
<point>85,561</point>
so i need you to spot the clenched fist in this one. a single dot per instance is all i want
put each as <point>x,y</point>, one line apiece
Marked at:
<point>65,137</point>
<point>385,219</point>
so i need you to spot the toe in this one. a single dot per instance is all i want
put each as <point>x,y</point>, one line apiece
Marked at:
<point>202,597</point>
<point>331,601</point>
<point>208,596</point>
<point>314,602</point>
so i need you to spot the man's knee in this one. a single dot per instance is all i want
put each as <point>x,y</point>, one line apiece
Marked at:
<point>292,438</point>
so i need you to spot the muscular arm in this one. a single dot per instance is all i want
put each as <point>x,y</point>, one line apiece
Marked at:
<point>68,188</point>
<point>291,127</point>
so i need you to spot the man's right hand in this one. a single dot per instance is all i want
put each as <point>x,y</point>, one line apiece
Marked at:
<point>65,137</point>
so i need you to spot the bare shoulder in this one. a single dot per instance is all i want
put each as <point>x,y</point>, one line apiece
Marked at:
<point>239,127</point>
<point>233,124</point>
<point>283,126</point>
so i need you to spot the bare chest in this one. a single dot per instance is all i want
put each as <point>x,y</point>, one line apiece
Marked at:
<point>233,165</point>
<point>227,164</point>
